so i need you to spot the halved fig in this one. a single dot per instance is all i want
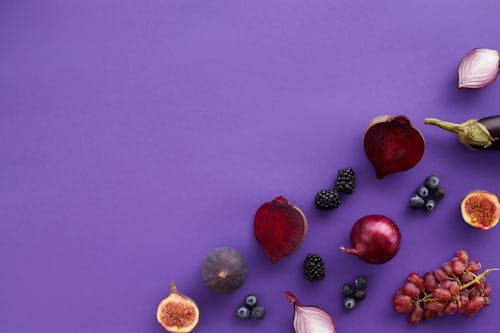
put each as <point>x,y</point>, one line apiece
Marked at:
<point>177,313</point>
<point>480,209</point>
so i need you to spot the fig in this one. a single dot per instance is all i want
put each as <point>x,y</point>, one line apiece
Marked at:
<point>177,313</point>
<point>480,209</point>
<point>280,228</point>
<point>224,270</point>
<point>392,144</point>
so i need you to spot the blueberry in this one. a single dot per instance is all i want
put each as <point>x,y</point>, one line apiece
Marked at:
<point>361,282</point>
<point>250,301</point>
<point>349,303</point>
<point>430,205</point>
<point>417,202</point>
<point>347,290</point>
<point>422,191</point>
<point>439,194</point>
<point>432,182</point>
<point>258,313</point>
<point>359,295</point>
<point>243,312</point>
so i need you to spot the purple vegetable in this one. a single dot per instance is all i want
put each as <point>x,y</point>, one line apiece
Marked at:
<point>482,134</point>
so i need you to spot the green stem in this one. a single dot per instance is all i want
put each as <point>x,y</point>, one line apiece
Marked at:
<point>479,277</point>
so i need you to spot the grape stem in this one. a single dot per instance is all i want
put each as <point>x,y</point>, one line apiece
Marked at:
<point>478,278</point>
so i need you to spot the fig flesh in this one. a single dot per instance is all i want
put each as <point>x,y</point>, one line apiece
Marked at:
<point>224,270</point>
<point>177,313</point>
<point>480,209</point>
<point>392,144</point>
<point>280,228</point>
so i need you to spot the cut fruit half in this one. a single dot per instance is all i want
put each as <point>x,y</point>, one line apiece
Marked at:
<point>480,209</point>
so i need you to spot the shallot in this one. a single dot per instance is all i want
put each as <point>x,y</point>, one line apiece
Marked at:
<point>478,68</point>
<point>310,319</point>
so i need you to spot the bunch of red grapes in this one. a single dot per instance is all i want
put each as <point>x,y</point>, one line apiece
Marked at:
<point>455,287</point>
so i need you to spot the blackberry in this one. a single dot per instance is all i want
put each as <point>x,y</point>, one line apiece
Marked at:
<point>314,268</point>
<point>345,181</point>
<point>327,199</point>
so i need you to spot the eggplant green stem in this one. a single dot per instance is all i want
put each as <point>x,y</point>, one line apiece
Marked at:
<point>479,277</point>
<point>470,133</point>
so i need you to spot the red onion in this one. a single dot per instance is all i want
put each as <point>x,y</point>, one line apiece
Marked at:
<point>375,239</point>
<point>310,319</point>
<point>478,68</point>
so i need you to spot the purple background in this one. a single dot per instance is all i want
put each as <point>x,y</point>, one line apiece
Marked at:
<point>136,136</point>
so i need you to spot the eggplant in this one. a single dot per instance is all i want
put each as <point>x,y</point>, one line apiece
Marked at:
<point>482,134</point>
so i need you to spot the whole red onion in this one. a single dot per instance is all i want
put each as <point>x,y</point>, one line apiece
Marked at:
<point>375,239</point>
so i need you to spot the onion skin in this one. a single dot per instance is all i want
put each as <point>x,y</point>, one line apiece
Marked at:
<point>374,238</point>
<point>482,134</point>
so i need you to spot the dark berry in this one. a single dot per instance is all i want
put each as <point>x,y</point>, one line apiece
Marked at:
<point>258,313</point>
<point>430,205</point>
<point>422,191</point>
<point>349,303</point>
<point>327,199</point>
<point>417,202</point>
<point>347,290</point>
<point>439,194</point>
<point>361,282</point>
<point>359,295</point>
<point>432,182</point>
<point>250,301</point>
<point>314,267</point>
<point>243,312</point>
<point>345,181</point>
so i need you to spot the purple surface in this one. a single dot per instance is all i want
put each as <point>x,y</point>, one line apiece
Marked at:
<point>136,136</point>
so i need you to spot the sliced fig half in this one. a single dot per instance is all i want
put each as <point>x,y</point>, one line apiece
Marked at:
<point>480,209</point>
<point>392,144</point>
<point>177,313</point>
<point>280,228</point>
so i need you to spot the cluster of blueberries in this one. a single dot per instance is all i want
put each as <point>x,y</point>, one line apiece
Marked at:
<point>250,309</point>
<point>353,294</point>
<point>427,194</point>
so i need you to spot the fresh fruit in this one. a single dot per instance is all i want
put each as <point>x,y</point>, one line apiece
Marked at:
<point>422,191</point>
<point>361,282</point>
<point>432,182</point>
<point>177,313</point>
<point>280,228</point>
<point>327,199</point>
<point>349,303</point>
<point>224,270</point>
<point>392,144</point>
<point>359,295</point>
<point>480,209</point>
<point>458,290</point>
<point>430,205</point>
<point>243,312</point>
<point>310,319</point>
<point>347,290</point>
<point>375,239</point>
<point>482,134</point>
<point>345,181</point>
<point>439,194</point>
<point>417,202</point>
<point>314,267</point>
<point>258,313</point>
<point>250,301</point>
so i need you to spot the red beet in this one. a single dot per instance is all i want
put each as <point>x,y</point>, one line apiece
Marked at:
<point>375,239</point>
<point>392,144</point>
<point>280,228</point>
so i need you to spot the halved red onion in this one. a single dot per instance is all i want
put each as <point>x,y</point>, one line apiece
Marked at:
<point>310,319</point>
<point>478,68</point>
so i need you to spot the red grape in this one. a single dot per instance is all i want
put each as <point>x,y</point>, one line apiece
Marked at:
<point>436,306</point>
<point>411,290</point>
<point>451,308</point>
<point>442,294</point>
<point>458,266</point>
<point>454,288</point>
<point>475,304</point>
<point>440,275</point>
<point>430,281</point>
<point>416,315</point>
<point>474,266</point>
<point>446,267</point>
<point>417,281</point>
<point>463,256</point>
<point>403,303</point>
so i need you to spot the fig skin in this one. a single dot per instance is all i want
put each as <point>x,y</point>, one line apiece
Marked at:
<point>392,144</point>
<point>181,322</point>
<point>280,228</point>
<point>483,196</point>
<point>224,270</point>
